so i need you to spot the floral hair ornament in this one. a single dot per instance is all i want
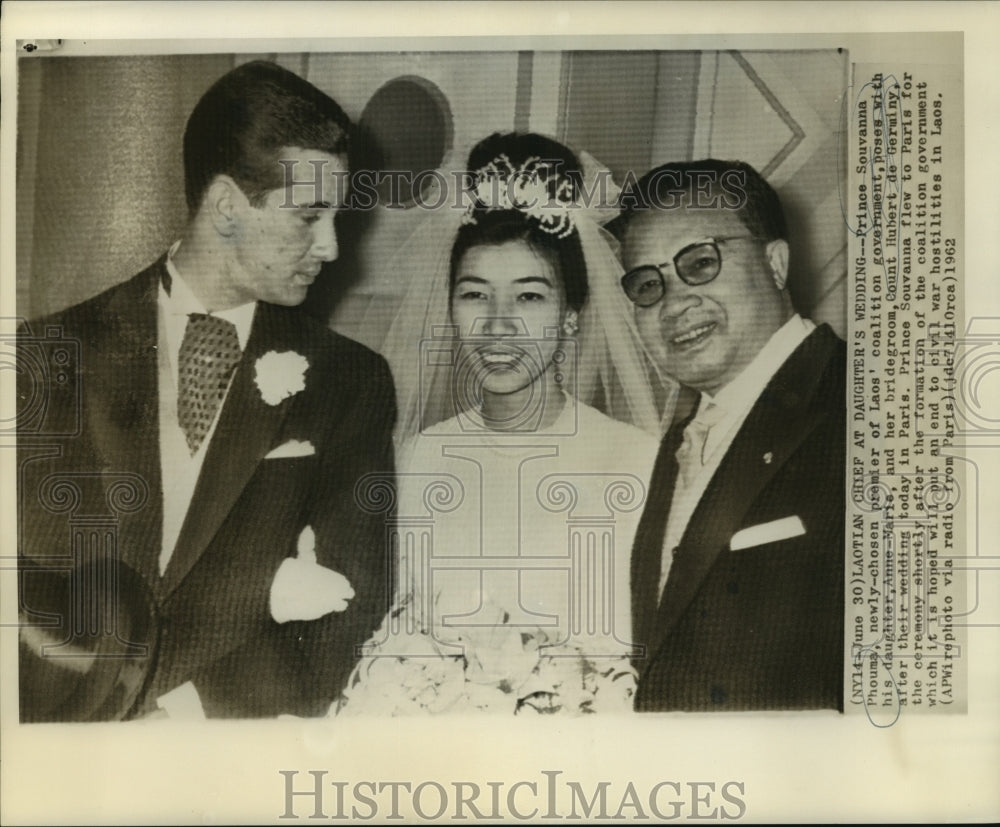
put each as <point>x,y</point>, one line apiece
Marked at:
<point>539,190</point>
<point>535,188</point>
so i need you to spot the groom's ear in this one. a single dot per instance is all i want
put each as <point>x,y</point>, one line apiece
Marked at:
<point>221,203</point>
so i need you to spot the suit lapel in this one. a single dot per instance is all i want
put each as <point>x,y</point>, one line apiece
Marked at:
<point>780,420</point>
<point>244,434</point>
<point>122,386</point>
<point>647,557</point>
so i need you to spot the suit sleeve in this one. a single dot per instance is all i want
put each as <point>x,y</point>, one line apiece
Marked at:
<point>351,535</point>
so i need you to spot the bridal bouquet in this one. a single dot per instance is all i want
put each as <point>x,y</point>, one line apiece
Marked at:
<point>491,668</point>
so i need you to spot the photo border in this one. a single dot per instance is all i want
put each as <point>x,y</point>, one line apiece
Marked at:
<point>814,766</point>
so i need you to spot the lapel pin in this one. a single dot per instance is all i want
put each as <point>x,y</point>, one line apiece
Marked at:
<point>768,457</point>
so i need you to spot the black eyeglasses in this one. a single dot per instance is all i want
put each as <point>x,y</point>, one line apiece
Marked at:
<point>696,264</point>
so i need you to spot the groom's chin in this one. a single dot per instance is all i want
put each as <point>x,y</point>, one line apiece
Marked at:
<point>293,296</point>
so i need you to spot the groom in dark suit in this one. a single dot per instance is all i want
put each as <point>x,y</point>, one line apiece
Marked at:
<point>219,433</point>
<point>737,568</point>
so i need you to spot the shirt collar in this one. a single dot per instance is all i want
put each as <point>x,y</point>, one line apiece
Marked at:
<point>179,300</point>
<point>743,391</point>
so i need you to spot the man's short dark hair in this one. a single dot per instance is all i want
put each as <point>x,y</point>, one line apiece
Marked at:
<point>245,118</point>
<point>706,184</point>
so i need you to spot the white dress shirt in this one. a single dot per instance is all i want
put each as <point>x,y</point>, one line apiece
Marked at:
<point>179,470</point>
<point>735,400</point>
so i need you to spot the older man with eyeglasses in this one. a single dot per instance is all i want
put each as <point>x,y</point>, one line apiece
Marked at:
<point>737,569</point>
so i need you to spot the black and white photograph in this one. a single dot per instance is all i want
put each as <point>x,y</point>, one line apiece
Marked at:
<point>368,396</point>
<point>561,370</point>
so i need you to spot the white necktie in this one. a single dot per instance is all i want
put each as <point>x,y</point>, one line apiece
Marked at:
<point>691,454</point>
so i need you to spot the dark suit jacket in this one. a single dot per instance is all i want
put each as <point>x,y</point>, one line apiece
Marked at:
<point>762,627</point>
<point>214,623</point>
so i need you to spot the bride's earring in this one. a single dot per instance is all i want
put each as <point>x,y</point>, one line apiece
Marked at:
<point>570,324</point>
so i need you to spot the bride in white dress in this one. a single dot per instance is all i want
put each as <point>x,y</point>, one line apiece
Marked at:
<point>517,500</point>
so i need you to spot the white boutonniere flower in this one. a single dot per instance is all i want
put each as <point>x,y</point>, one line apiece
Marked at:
<point>304,590</point>
<point>280,375</point>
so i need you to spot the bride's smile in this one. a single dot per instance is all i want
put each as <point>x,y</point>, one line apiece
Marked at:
<point>508,305</point>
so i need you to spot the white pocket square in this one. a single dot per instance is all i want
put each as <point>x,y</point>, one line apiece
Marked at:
<point>757,535</point>
<point>292,448</point>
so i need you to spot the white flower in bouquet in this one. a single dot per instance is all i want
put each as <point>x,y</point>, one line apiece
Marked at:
<point>499,653</point>
<point>482,697</point>
<point>611,687</point>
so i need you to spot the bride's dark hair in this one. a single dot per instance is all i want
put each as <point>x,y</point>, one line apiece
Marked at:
<point>498,226</point>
